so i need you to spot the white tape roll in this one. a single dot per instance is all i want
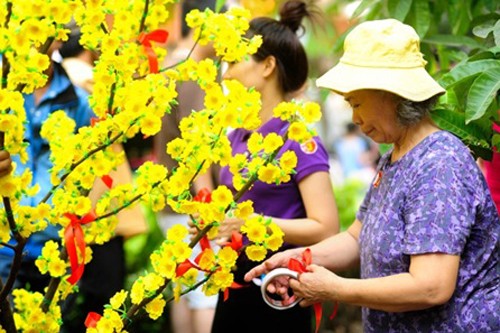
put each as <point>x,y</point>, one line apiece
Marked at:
<point>277,304</point>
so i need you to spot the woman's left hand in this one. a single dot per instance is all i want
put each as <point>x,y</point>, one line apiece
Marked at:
<point>318,284</point>
<point>226,229</point>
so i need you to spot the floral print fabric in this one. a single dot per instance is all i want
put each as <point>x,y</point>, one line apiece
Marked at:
<point>434,200</point>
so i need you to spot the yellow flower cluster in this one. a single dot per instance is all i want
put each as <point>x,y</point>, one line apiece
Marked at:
<point>31,23</point>
<point>225,31</point>
<point>210,262</point>
<point>264,235</point>
<point>299,114</point>
<point>110,322</point>
<point>172,252</point>
<point>50,260</point>
<point>29,316</point>
<point>12,117</point>
<point>129,100</point>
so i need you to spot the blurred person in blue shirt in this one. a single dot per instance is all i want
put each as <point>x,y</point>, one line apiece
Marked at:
<point>353,151</point>
<point>58,94</point>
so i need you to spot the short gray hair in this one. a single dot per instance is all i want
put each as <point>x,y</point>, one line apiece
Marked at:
<point>409,112</point>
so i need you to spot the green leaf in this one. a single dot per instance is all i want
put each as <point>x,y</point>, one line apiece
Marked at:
<point>496,141</point>
<point>491,5</point>
<point>484,153</point>
<point>484,29</point>
<point>496,33</point>
<point>375,11</point>
<point>398,9</point>
<point>422,17</point>
<point>488,54</point>
<point>459,16</point>
<point>481,94</point>
<point>467,70</point>
<point>219,4</point>
<point>454,41</point>
<point>476,133</point>
<point>364,5</point>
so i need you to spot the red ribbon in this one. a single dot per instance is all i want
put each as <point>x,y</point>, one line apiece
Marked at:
<point>236,242</point>
<point>74,238</point>
<point>145,39</point>
<point>301,267</point>
<point>107,180</point>
<point>184,267</point>
<point>94,121</point>
<point>92,319</point>
<point>234,285</point>
<point>203,195</point>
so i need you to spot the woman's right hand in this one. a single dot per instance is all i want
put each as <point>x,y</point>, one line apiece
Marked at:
<point>280,259</point>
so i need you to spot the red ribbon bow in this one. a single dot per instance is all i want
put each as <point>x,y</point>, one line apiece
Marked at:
<point>145,39</point>
<point>74,238</point>
<point>301,267</point>
<point>236,241</point>
<point>203,195</point>
<point>92,319</point>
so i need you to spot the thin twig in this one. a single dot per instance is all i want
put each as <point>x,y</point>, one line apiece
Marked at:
<point>144,16</point>
<point>76,164</point>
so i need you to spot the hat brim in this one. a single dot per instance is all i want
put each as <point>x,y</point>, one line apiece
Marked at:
<point>414,84</point>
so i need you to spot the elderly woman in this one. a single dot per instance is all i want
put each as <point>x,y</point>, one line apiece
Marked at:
<point>427,234</point>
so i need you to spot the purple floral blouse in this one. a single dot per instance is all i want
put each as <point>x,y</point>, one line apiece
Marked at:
<point>433,200</point>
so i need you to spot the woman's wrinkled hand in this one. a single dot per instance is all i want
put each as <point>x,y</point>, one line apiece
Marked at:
<point>280,259</point>
<point>316,285</point>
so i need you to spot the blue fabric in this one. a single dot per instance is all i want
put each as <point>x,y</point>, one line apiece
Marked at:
<point>61,95</point>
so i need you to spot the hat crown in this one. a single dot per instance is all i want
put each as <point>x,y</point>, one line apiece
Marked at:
<point>383,43</point>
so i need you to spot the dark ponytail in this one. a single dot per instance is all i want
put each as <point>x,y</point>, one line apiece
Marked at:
<point>292,13</point>
<point>280,40</point>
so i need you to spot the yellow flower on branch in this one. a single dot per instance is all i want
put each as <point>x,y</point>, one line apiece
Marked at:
<point>244,209</point>
<point>177,233</point>
<point>254,229</point>
<point>155,307</point>
<point>118,299</point>
<point>227,257</point>
<point>271,142</point>
<point>256,252</point>
<point>222,196</point>
<point>207,260</point>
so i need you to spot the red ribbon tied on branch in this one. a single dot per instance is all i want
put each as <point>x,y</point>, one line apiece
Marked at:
<point>203,195</point>
<point>92,319</point>
<point>145,39</point>
<point>301,267</point>
<point>75,239</point>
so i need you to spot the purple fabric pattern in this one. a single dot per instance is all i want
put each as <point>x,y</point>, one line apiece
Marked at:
<point>434,200</point>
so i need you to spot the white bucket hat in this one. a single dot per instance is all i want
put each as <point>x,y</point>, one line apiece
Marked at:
<point>382,55</point>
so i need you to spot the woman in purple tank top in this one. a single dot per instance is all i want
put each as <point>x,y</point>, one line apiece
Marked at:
<point>304,207</point>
